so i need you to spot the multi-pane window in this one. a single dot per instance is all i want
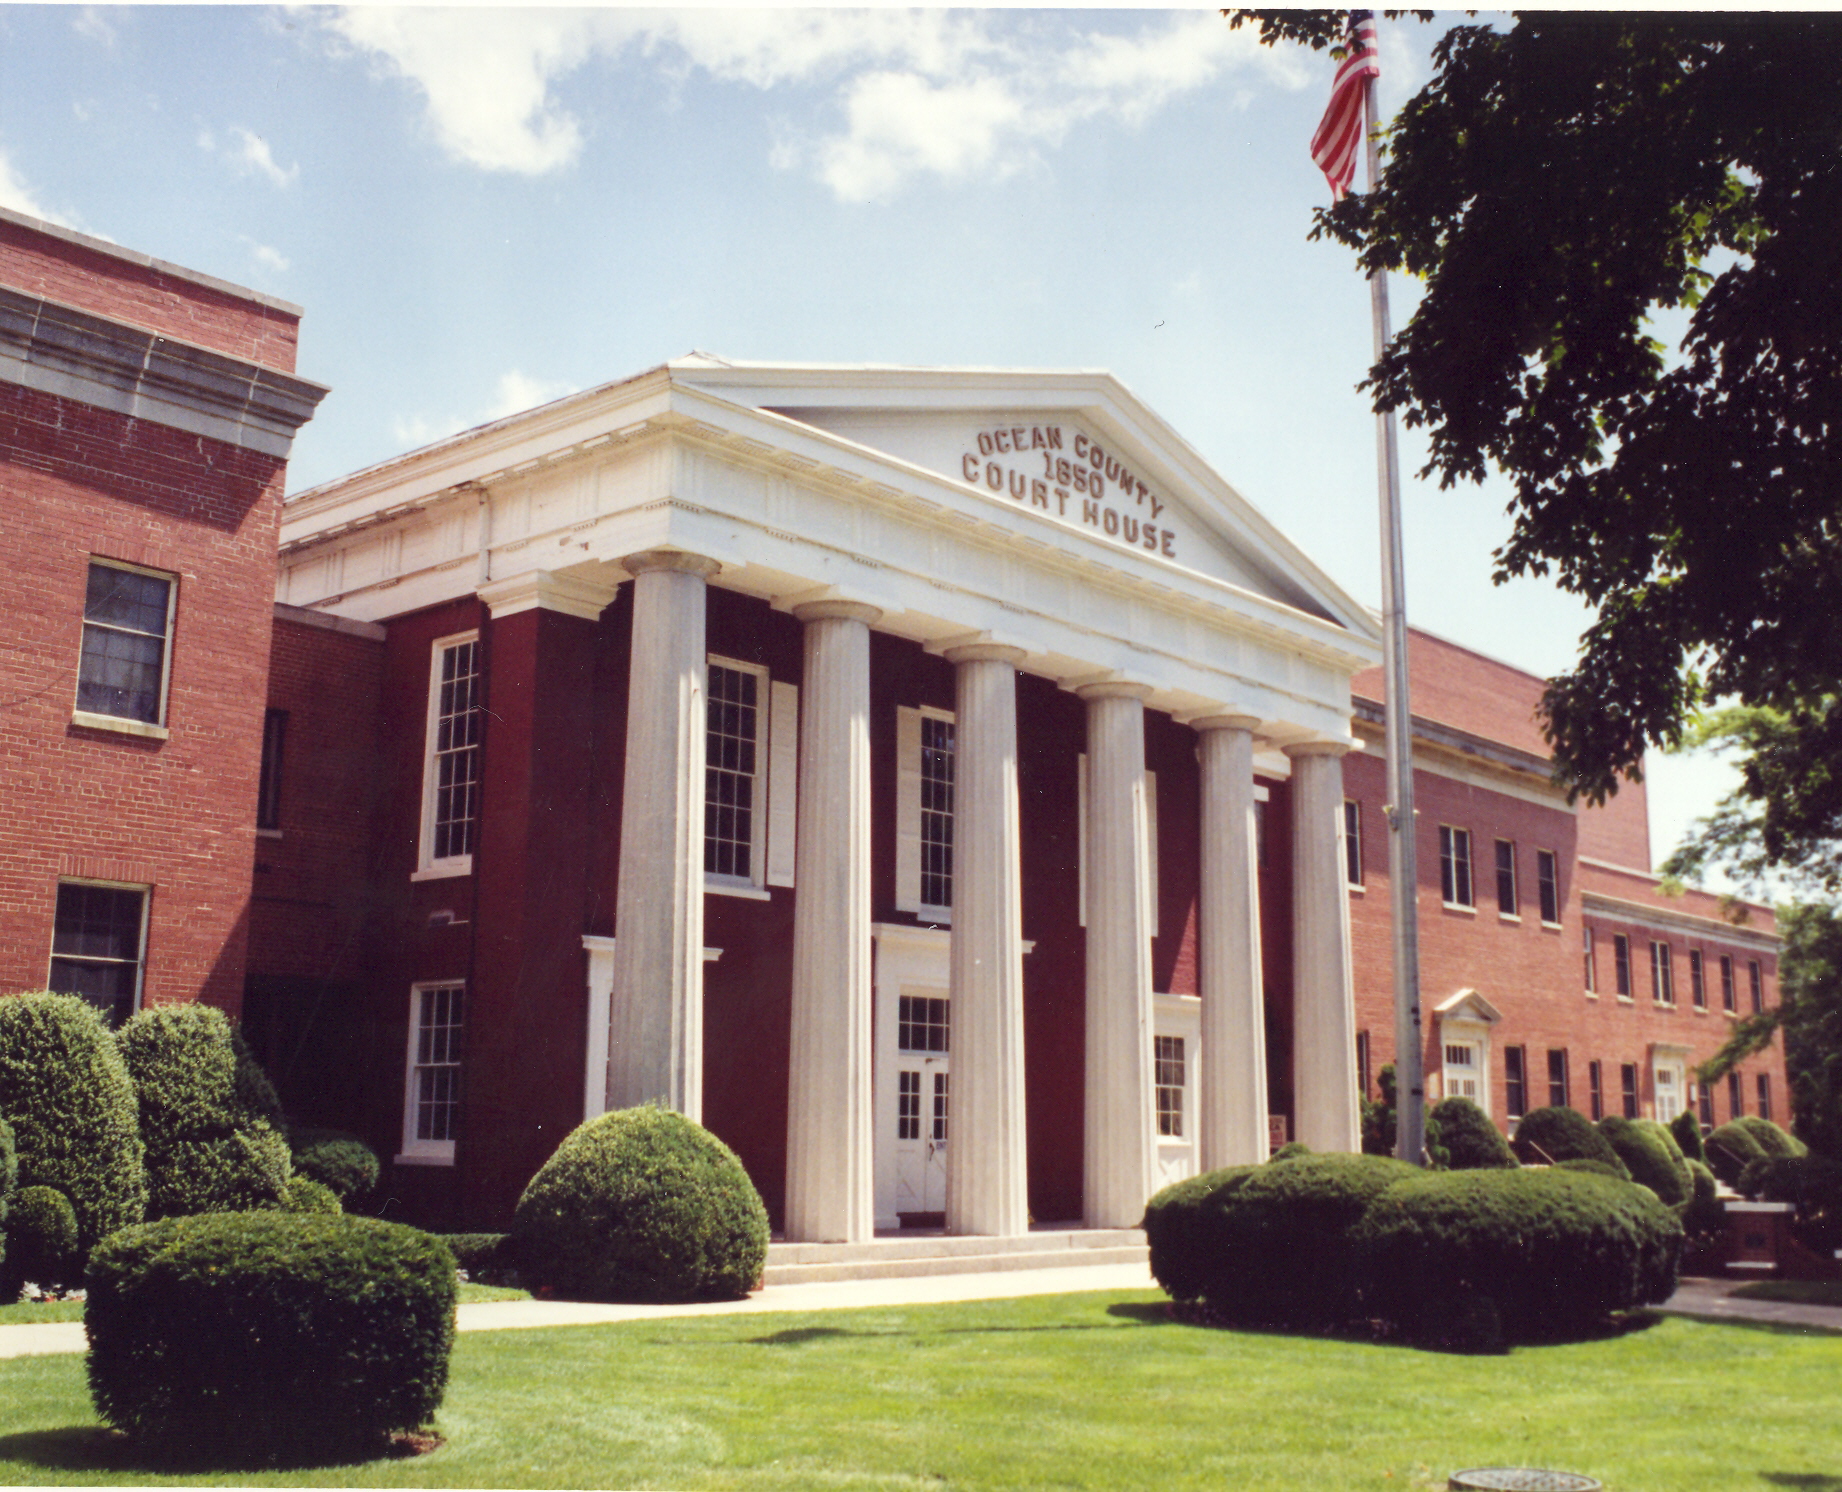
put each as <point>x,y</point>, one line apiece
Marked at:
<point>908,1104</point>
<point>939,1135</point>
<point>1667,1083</point>
<point>1557,1079</point>
<point>1168,1078</point>
<point>1352,841</point>
<point>731,765</point>
<point>1757,981</point>
<point>1727,1002</point>
<point>1515,1082</point>
<point>1704,1098</point>
<point>127,628</point>
<point>1765,1095</point>
<point>1627,1081</point>
<point>433,1119</point>
<point>921,1024</point>
<point>1592,973</point>
<point>1662,974</point>
<point>454,753</point>
<point>1698,980</point>
<point>1455,866</point>
<point>1548,885</point>
<point>936,811</point>
<point>1595,1089</point>
<point>1621,962</point>
<point>268,790</point>
<point>1736,1096</point>
<point>1507,904</point>
<point>96,944</point>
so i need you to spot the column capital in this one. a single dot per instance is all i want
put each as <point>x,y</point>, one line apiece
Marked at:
<point>1248,723</point>
<point>849,611</point>
<point>1316,748</point>
<point>570,592</point>
<point>677,560</point>
<point>1113,689</point>
<point>984,652</point>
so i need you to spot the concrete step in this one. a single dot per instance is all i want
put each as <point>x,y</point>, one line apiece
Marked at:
<point>902,1257</point>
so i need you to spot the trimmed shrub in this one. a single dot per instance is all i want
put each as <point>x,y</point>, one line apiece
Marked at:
<point>262,1336</point>
<point>208,1150</point>
<point>1687,1130</point>
<point>69,1099</point>
<point>1470,1140</point>
<point>9,1169</point>
<point>255,1094</point>
<point>477,1253</point>
<point>1553,1252</point>
<point>1650,1154</point>
<point>1552,1135</point>
<point>1270,1244</point>
<point>1772,1139</point>
<point>1291,1150</point>
<point>644,1205</point>
<point>1731,1149</point>
<point>42,1242</point>
<point>303,1194</point>
<point>336,1159</point>
<point>1813,1183</point>
<point>1703,1216</point>
<point>1617,1172</point>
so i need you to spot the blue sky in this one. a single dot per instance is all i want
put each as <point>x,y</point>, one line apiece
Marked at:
<point>483,208</point>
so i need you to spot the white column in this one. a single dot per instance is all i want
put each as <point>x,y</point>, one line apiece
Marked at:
<point>830,1177</point>
<point>987,1178</point>
<point>655,1038</point>
<point>1120,1149</point>
<point>1324,1098</point>
<point>1233,1075</point>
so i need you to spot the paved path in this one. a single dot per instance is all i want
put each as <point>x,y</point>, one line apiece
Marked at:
<point>1710,1299</point>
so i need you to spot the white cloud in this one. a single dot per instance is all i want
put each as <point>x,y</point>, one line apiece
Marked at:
<point>924,93</point>
<point>515,392</point>
<point>267,257</point>
<point>90,23</point>
<point>17,196</point>
<point>249,153</point>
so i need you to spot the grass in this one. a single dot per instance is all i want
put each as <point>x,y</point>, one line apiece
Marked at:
<point>1798,1292</point>
<point>1097,1391</point>
<point>26,1312</point>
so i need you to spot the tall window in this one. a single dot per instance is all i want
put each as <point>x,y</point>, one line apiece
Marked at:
<point>1621,961</point>
<point>1727,1002</point>
<point>1455,866</point>
<point>937,757</point>
<point>1515,1081</point>
<point>1463,1075</point>
<point>1667,1083</point>
<point>1352,841</point>
<point>1548,884</point>
<point>1168,1078</point>
<point>1507,903</point>
<point>127,637</point>
<point>268,790</point>
<point>1662,974</point>
<point>1365,1075</point>
<point>1704,1098</point>
<point>1698,980</point>
<point>1756,980</point>
<point>1765,1095</point>
<point>732,762</point>
<point>452,772</point>
<point>1592,973</point>
<point>1736,1096</point>
<point>1557,1079</point>
<point>1627,1081</point>
<point>97,944</point>
<point>431,1120</point>
<point>1595,1089</point>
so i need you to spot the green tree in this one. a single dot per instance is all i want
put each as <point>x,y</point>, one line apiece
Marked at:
<point>1562,188</point>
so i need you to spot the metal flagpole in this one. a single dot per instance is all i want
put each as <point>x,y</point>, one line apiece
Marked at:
<point>1409,1075</point>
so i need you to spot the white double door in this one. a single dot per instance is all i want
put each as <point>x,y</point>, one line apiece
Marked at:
<point>921,1136</point>
<point>913,1098</point>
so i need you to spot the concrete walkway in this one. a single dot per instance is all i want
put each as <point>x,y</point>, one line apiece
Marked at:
<point>1708,1299</point>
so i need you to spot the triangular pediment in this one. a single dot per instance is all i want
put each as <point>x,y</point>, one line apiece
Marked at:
<point>1468,1005</point>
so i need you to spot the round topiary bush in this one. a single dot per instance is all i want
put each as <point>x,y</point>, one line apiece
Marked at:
<point>1595,1168</point>
<point>42,1242</point>
<point>71,1104</point>
<point>1650,1154</point>
<point>1772,1139</point>
<point>302,1194</point>
<point>336,1159</point>
<point>1687,1130</point>
<point>1546,1137</point>
<point>258,1336</point>
<point>1470,1140</point>
<point>1731,1148</point>
<point>209,1148</point>
<point>1269,1244</point>
<point>1553,1252</point>
<point>643,1205</point>
<point>1182,1225</point>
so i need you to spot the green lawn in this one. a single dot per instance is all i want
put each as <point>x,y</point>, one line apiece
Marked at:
<point>1076,1391</point>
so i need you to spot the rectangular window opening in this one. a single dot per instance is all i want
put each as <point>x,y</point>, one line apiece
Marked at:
<point>1698,982</point>
<point>1727,1002</point>
<point>1621,959</point>
<point>1662,974</point>
<point>127,642</point>
<point>1515,1081</point>
<point>1507,902</point>
<point>1548,886</point>
<point>1765,1095</point>
<point>921,1023</point>
<point>1352,841</point>
<point>1595,1089</point>
<point>1558,1096</point>
<point>453,766</point>
<point>432,1123</point>
<point>908,1104</point>
<point>1627,1082</point>
<point>1756,980</point>
<point>937,761</point>
<point>1592,973</point>
<point>1736,1096</point>
<point>98,941</point>
<point>732,756</point>
<point>268,790</point>
<point>1168,1077</point>
<point>1455,866</point>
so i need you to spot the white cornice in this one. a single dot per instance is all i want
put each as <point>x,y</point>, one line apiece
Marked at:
<point>1668,919</point>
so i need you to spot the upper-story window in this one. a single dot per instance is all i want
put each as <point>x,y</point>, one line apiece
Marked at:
<point>127,643</point>
<point>451,764</point>
<point>1548,886</point>
<point>1621,961</point>
<point>1455,866</point>
<point>1507,903</point>
<point>1727,1001</point>
<point>1756,979</point>
<point>1698,980</point>
<point>1591,972</point>
<point>268,789</point>
<point>732,768</point>
<point>1352,841</point>
<point>926,756</point>
<point>1662,974</point>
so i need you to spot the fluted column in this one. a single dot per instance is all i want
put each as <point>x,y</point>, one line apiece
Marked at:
<point>1324,1097</point>
<point>987,1180</point>
<point>830,1178</point>
<point>655,1038</point>
<point>1119,1149</point>
<point>1233,1072</point>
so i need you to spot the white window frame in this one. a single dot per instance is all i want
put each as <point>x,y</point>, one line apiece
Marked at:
<point>908,720</point>
<point>1450,839</point>
<point>1698,981</point>
<point>1151,838</point>
<point>1514,914</point>
<point>1450,1072</point>
<point>1549,860</point>
<point>428,868</point>
<point>1590,951</point>
<point>1621,967</point>
<point>1662,974</point>
<point>1352,844</point>
<point>1673,1061</point>
<point>761,825</point>
<point>99,720</point>
<point>415,1151</point>
<point>140,947</point>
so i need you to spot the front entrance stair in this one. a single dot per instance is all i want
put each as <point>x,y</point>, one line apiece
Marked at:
<point>923,1251</point>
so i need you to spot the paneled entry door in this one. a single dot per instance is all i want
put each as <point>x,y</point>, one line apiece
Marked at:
<point>921,1118</point>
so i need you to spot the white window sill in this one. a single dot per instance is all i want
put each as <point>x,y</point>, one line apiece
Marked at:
<point>1626,1000</point>
<point>938,916</point>
<point>1592,994</point>
<point>422,1160</point>
<point>714,887</point>
<point>121,725</point>
<point>1547,926</point>
<point>1354,889</point>
<point>446,871</point>
<point>1458,906</point>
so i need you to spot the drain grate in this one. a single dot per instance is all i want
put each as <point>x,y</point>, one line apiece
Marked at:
<point>1521,1479</point>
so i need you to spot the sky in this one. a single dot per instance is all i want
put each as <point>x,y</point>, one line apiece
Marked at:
<point>481,209</point>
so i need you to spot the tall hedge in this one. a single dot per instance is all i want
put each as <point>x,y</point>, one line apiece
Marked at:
<point>1551,1135</point>
<point>68,1097</point>
<point>1471,1141</point>
<point>210,1146</point>
<point>1652,1156</point>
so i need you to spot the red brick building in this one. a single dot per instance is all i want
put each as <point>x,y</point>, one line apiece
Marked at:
<point>146,413</point>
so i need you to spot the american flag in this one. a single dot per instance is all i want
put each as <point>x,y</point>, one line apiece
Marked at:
<point>1333,147</point>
